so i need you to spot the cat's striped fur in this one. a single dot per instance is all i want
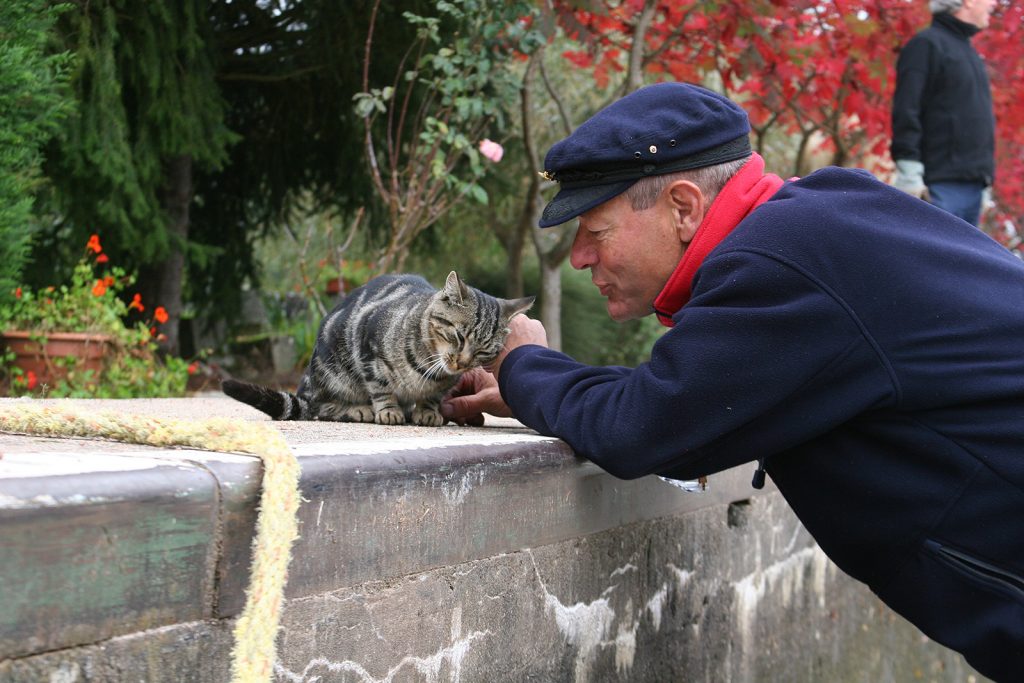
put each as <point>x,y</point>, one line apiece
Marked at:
<point>389,351</point>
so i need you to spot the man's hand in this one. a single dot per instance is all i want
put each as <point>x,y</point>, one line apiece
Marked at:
<point>521,331</point>
<point>475,394</point>
<point>477,391</point>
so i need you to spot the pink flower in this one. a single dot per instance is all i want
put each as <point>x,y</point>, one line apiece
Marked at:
<point>492,150</point>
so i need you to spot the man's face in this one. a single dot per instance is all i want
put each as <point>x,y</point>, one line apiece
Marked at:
<point>630,254</point>
<point>977,12</point>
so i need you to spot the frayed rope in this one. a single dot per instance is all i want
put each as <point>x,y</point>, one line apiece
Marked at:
<point>276,527</point>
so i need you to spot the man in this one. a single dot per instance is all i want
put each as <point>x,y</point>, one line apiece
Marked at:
<point>862,346</point>
<point>943,130</point>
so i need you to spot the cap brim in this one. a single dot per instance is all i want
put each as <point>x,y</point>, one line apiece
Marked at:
<point>571,202</point>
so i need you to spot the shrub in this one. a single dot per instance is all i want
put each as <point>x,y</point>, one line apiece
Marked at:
<point>91,303</point>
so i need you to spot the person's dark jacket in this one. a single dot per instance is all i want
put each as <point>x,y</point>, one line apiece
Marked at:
<point>942,108</point>
<point>868,348</point>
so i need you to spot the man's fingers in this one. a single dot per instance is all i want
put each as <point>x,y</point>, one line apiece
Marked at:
<point>461,407</point>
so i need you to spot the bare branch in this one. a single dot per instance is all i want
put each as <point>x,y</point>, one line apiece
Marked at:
<point>566,123</point>
<point>635,75</point>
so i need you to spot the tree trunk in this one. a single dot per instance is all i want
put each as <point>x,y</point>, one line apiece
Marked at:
<point>514,271</point>
<point>551,302</point>
<point>553,246</point>
<point>169,275</point>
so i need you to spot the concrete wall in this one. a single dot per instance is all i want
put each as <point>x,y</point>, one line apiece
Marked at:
<point>449,554</point>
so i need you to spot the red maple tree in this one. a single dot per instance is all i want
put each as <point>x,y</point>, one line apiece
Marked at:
<point>821,73</point>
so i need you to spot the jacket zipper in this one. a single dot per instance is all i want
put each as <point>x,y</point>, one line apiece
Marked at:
<point>978,568</point>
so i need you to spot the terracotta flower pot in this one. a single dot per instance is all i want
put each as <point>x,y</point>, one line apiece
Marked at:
<point>39,357</point>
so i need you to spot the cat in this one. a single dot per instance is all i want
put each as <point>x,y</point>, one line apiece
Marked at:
<point>389,351</point>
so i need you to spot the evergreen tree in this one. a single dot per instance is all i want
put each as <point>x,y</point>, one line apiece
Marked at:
<point>32,103</point>
<point>149,112</point>
<point>201,125</point>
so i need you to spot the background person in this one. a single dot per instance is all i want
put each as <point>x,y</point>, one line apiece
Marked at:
<point>943,128</point>
<point>861,345</point>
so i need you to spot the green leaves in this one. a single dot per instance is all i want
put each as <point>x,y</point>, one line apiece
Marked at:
<point>368,103</point>
<point>32,106</point>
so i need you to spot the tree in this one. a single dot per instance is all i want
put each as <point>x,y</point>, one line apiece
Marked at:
<point>33,103</point>
<point>149,113</point>
<point>1000,45</point>
<point>820,73</point>
<point>422,129</point>
<point>201,126</point>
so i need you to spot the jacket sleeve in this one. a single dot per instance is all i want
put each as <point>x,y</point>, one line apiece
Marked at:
<point>912,71</point>
<point>760,360</point>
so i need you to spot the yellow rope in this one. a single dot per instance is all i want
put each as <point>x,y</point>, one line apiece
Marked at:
<point>276,528</point>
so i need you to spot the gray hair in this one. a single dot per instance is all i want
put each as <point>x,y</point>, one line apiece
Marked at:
<point>710,179</point>
<point>942,6</point>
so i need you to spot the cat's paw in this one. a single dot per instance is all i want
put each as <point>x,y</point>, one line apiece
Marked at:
<point>390,416</point>
<point>358,414</point>
<point>427,417</point>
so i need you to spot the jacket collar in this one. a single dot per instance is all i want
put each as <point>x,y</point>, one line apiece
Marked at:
<point>744,192</point>
<point>954,25</point>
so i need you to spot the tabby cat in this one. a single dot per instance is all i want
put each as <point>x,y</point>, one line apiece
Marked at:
<point>389,351</point>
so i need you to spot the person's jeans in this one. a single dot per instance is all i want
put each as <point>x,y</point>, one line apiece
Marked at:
<point>958,198</point>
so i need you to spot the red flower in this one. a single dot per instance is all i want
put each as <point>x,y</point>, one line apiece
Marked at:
<point>99,289</point>
<point>94,244</point>
<point>137,303</point>
<point>193,367</point>
<point>160,314</point>
<point>31,379</point>
<point>109,280</point>
<point>102,258</point>
<point>17,293</point>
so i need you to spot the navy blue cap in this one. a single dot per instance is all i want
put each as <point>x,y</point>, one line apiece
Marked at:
<point>662,128</point>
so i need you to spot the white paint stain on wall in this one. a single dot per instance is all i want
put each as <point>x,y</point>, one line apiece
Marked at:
<point>430,666</point>
<point>67,673</point>
<point>785,579</point>
<point>455,488</point>
<point>584,625</point>
<point>656,604</point>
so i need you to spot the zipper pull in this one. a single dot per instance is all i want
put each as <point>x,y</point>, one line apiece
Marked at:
<point>758,481</point>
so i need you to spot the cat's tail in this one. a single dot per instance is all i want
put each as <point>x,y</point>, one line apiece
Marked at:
<point>279,405</point>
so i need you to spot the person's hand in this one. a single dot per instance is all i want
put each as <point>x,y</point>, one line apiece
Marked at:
<point>475,393</point>
<point>910,178</point>
<point>521,331</point>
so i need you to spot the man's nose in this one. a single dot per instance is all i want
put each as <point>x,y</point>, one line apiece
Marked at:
<point>582,255</point>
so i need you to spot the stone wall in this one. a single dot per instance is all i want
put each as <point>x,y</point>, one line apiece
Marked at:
<point>452,554</point>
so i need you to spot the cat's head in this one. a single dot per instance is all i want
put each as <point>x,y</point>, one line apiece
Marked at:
<point>467,327</point>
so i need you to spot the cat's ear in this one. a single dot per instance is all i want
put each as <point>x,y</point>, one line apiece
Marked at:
<point>510,308</point>
<point>455,290</point>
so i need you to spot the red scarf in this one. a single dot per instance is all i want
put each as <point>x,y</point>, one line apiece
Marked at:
<point>744,192</point>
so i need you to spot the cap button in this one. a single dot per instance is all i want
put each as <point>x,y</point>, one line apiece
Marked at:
<point>654,150</point>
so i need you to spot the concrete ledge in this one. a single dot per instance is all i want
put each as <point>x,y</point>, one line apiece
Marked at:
<point>483,553</point>
<point>100,539</point>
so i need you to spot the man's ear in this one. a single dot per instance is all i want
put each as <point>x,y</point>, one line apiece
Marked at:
<point>688,206</point>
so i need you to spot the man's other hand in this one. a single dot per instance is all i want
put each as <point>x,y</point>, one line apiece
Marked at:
<point>475,393</point>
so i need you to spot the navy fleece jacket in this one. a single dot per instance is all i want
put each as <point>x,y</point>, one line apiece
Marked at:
<point>869,348</point>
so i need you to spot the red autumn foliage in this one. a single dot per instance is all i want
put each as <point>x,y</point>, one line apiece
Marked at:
<point>821,71</point>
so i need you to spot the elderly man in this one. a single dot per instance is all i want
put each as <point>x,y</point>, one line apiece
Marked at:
<point>862,346</point>
<point>943,130</point>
